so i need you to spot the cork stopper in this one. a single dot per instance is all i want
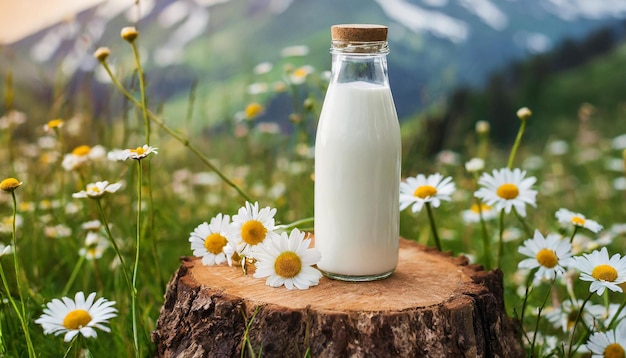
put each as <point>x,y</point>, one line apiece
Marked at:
<point>358,33</point>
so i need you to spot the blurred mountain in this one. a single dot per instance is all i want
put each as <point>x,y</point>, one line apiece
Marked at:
<point>215,45</point>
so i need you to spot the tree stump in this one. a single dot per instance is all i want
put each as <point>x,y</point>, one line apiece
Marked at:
<point>433,305</point>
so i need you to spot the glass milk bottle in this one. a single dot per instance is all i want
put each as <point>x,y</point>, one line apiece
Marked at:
<point>357,160</point>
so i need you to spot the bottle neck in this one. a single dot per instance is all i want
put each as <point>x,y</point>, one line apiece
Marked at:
<point>359,61</point>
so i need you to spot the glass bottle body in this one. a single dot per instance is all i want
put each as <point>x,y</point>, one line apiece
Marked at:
<point>357,168</point>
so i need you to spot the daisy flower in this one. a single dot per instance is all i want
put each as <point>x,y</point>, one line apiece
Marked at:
<point>421,189</point>
<point>137,153</point>
<point>95,245</point>
<point>210,242</point>
<point>251,227</point>
<point>80,315</point>
<point>287,260</point>
<point>472,215</point>
<point>97,190</point>
<point>608,344</point>
<point>601,271</point>
<point>507,189</point>
<point>564,316</point>
<point>81,155</point>
<point>550,254</point>
<point>565,216</point>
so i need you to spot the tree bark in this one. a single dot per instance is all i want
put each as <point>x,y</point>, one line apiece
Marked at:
<point>433,305</point>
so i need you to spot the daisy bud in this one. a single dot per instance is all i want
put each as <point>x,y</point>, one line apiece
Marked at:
<point>102,53</point>
<point>482,127</point>
<point>10,184</point>
<point>129,33</point>
<point>524,113</point>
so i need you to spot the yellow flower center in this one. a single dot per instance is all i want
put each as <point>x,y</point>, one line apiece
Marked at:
<point>424,191</point>
<point>138,151</point>
<point>76,319</point>
<point>94,189</point>
<point>288,264</point>
<point>614,350</point>
<point>9,184</point>
<point>547,258</point>
<point>215,243</point>
<point>55,123</point>
<point>81,150</point>
<point>604,273</point>
<point>475,208</point>
<point>253,232</point>
<point>577,220</point>
<point>508,191</point>
<point>300,72</point>
<point>253,110</point>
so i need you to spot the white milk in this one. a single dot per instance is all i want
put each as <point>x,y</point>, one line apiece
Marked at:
<point>357,178</point>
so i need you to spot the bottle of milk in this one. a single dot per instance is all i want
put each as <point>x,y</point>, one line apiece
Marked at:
<point>357,160</point>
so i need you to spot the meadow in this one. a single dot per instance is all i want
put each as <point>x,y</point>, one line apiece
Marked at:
<point>69,232</point>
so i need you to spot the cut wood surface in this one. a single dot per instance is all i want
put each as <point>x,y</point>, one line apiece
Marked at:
<point>433,305</point>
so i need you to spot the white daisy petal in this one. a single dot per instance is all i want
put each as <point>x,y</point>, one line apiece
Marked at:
<point>287,260</point>
<point>77,316</point>
<point>421,189</point>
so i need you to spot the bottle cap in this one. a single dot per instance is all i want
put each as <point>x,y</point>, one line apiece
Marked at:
<point>358,33</point>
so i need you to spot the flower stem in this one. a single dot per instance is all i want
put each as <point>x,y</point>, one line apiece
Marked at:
<point>142,91</point>
<point>136,264</point>
<point>500,239</point>
<point>539,310</point>
<point>73,275</point>
<point>571,239</point>
<point>105,223</point>
<point>294,224</point>
<point>179,137</point>
<point>18,281</point>
<point>578,316</point>
<point>433,227</point>
<point>516,144</point>
<point>485,236</point>
<point>523,222</point>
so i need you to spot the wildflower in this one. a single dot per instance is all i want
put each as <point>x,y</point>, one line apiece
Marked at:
<point>129,33</point>
<point>97,190</point>
<point>102,53</point>
<point>472,215</point>
<point>558,147</point>
<point>295,51</point>
<point>53,124</point>
<point>482,127</point>
<point>564,316</point>
<point>263,68</point>
<point>5,249</point>
<point>209,241</point>
<point>10,184</point>
<point>251,227</point>
<point>57,231</point>
<point>299,75</point>
<point>507,189</point>
<point>608,344</point>
<point>92,225</point>
<point>601,271</point>
<point>76,316</point>
<point>95,245</point>
<point>565,216</point>
<point>253,110</point>
<point>137,153</point>
<point>475,165</point>
<point>287,260</point>
<point>550,254</point>
<point>81,155</point>
<point>421,189</point>
<point>524,113</point>
<point>6,223</point>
